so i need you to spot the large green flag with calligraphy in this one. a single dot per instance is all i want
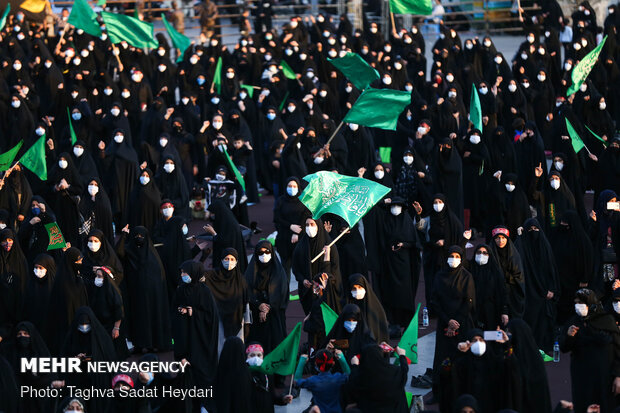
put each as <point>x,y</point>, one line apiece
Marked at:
<point>283,359</point>
<point>349,198</point>
<point>584,67</point>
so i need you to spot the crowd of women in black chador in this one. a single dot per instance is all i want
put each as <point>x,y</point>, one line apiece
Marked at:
<point>497,218</point>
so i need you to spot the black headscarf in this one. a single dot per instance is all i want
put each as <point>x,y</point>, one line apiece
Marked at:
<point>231,293</point>
<point>144,203</point>
<point>13,276</point>
<point>228,233</point>
<point>233,380</point>
<point>38,291</point>
<point>360,337</point>
<point>105,257</point>
<point>97,343</point>
<point>371,308</point>
<point>174,249</point>
<point>267,283</point>
<point>490,291</point>
<point>99,210</point>
<point>445,224</point>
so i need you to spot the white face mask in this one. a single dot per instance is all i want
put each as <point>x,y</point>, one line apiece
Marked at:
<point>217,125</point>
<point>215,100</point>
<point>583,87</point>
<point>379,174</point>
<point>93,190</point>
<point>2,225</point>
<point>387,80</point>
<point>512,87</point>
<point>526,85</point>
<point>312,231</point>
<point>542,78</point>
<point>509,187</point>
<point>169,167</point>
<point>567,66</point>
<point>350,326</point>
<point>167,212</point>
<point>408,88</point>
<point>555,184</point>
<point>16,103</point>
<point>396,210</point>
<point>40,272</point>
<point>145,180</point>
<point>17,66</point>
<point>184,229</point>
<point>353,126</point>
<point>408,159</point>
<point>482,259</point>
<point>478,348</point>
<point>230,75</point>
<point>40,131</point>
<point>220,177</point>
<point>98,282</point>
<point>475,139</point>
<point>602,106</point>
<point>581,309</point>
<point>454,262</point>
<point>318,160</point>
<point>63,164</point>
<point>94,246</point>
<point>185,100</point>
<point>47,64</point>
<point>119,138</point>
<point>125,94</point>
<point>348,89</point>
<point>450,78</point>
<point>229,265</point>
<point>264,258</point>
<point>483,90</point>
<point>78,151</point>
<point>163,142</point>
<point>254,361</point>
<point>558,165</point>
<point>115,111</point>
<point>292,190</point>
<point>291,109</point>
<point>107,92</point>
<point>358,294</point>
<point>498,60</point>
<point>451,94</point>
<point>438,207</point>
<point>616,305</point>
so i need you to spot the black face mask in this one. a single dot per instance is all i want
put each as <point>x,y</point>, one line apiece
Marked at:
<point>23,342</point>
<point>178,128</point>
<point>139,241</point>
<point>77,266</point>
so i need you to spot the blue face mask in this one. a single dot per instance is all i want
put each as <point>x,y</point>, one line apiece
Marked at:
<point>201,81</point>
<point>151,378</point>
<point>186,278</point>
<point>350,325</point>
<point>76,116</point>
<point>271,116</point>
<point>36,211</point>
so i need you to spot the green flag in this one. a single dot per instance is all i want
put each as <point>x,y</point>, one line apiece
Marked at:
<point>250,90</point>
<point>409,340</point>
<point>596,136</point>
<point>4,15</point>
<point>126,28</point>
<point>83,17</point>
<point>288,72</point>
<point>55,236</point>
<point>419,7</point>
<point>6,159</point>
<point>385,153</point>
<point>584,67</point>
<point>283,101</point>
<point>233,167</point>
<point>217,76</point>
<point>475,111</point>
<point>329,317</point>
<point>101,3</point>
<point>360,73</point>
<point>34,159</point>
<point>283,359</point>
<point>409,399</point>
<point>545,357</point>
<point>349,198</point>
<point>179,40</point>
<point>575,140</point>
<point>71,130</point>
<point>378,108</point>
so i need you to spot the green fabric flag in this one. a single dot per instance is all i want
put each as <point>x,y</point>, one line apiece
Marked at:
<point>288,72</point>
<point>545,357</point>
<point>6,159</point>
<point>360,73</point>
<point>329,317</point>
<point>55,236</point>
<point>419,7</point>
<point>250,90</point>
<point>385,153</point>
<point>4,15</point>
<point>391,102</point>
<point>217,76</point>
<point>575,140</point>
<point>283,101</point>
<point>34,159</point>
<point>282,359</point>
<point>409,399</point>
<point>409,340</point>
<point>584,67</point>
<point>83,17</point>
<point>293,297</point>
<point>71,130</point>
<point>233,168</point>
<point>126,28</point>
<point>101,3</point>
<point>475,110</point>
<point>348,197</point>
<point>596,136</point>
<point>179,40</point>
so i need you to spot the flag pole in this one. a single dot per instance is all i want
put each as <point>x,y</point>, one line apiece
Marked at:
<point>334,134</point>
<point>331,244</point>
<point>393,23</point>
<point>290,388</point>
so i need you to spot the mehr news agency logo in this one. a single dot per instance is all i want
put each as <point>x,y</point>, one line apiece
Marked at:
<point>68,365</point>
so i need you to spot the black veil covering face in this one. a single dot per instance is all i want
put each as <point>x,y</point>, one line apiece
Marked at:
<point>13,278</point>
<point>69,294</point>
<point>196,335</point>
<point>146,301</point>
<point>173,248</point>
<point>230,291</point>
